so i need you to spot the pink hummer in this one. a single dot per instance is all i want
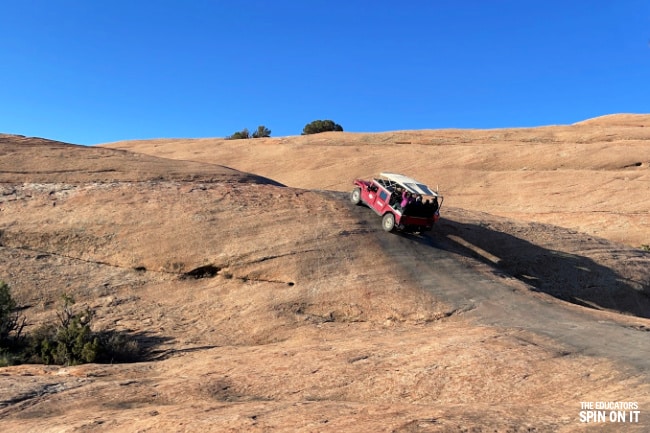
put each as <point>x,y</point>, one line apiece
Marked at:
<point>402,202</point>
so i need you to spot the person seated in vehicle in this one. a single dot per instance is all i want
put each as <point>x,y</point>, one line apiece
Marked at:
<point>407,199</point>
<point>434,205</point>
<point>427,207</point>
<point>418,206</point>
<point>394,199</point>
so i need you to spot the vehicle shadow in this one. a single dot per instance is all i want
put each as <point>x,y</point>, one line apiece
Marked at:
<point>566,275</point>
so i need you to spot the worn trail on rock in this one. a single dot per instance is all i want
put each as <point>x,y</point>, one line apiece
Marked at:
<point>431,261</point>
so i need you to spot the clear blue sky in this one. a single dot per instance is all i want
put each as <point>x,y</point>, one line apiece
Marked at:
<point>95,71</point>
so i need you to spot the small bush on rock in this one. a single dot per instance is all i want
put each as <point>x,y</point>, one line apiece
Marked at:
<point>11,321</point>
<point>69,342</point>
<point>239,135</point>
<point>262,132</point>
<point>321,126</point>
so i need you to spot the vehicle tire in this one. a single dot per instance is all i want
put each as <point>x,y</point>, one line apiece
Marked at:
<point>388,222</point>
<point>355,197</point>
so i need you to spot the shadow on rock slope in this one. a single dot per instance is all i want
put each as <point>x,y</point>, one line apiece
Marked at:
<point>570,266</point>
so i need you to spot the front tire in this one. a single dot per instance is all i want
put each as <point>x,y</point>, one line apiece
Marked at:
<point>355,197</point>
<point>388,222</point>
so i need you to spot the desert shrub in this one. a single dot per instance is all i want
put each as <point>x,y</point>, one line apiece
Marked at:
<point>645,247</point>
<point>261,132</point>
<point>6,359</point>
<point>239,135</point>
<point>51,344</point>
<point>69,342</point>
<point>11,321</point>
<point>117,347</point>
<point>321,126</point>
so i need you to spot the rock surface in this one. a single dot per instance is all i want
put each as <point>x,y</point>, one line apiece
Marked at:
<point>264,307</point>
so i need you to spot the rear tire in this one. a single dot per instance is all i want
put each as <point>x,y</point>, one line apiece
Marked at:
<point>388,222</point>
<point>355,197</point>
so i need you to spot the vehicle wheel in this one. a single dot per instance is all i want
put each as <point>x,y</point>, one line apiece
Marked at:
<point>355,197</point>
<point>388,222</point>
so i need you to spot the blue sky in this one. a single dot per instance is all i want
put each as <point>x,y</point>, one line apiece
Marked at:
<point>89,72</point>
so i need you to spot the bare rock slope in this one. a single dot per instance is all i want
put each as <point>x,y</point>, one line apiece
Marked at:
<point>263,307</point>
<point>593,176</point>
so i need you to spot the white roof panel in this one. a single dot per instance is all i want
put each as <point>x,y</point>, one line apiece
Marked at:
<point>410,184</point>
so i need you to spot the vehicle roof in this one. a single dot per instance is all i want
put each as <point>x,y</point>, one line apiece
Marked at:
<point>410,184</point>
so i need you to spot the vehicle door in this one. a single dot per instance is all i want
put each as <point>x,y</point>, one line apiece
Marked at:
<point>371,194</point>
<point>381,200</point>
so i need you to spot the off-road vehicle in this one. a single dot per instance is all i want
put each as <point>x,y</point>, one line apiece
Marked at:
<point>402,202</point>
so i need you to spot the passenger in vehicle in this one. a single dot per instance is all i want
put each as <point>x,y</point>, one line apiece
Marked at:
<point>434,205</point>
<point>394,199</point>
<point>418,206</point>
<point>406,198</point>
<point>426,208</point>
